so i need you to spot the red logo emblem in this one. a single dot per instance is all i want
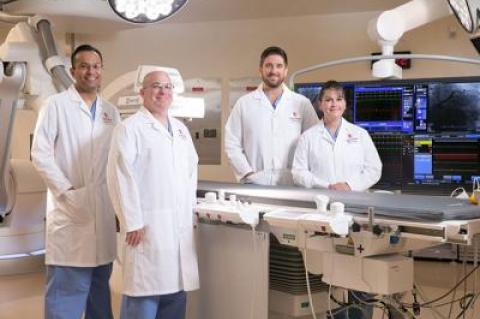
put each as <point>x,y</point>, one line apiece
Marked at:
<point>106,118</point>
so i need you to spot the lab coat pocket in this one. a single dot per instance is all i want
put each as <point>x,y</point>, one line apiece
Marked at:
<point>76,206</point>
<point>354,156</point>
<point>295,122</point>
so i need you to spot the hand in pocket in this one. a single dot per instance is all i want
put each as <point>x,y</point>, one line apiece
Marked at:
<point>76,205</point>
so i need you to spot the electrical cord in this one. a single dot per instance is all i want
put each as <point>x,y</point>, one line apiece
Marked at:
<point>465,302</point>
<point>345,305</point>
<point>367,302</point>
<point>338,302</point>
<point>330,302</point>
<point>388,305</point>
<point>433,307</point>
<point>475,263</point>
<point>452,289</point>
<point>464,308</point>
<point>451,302</point>
<point>309,290</point>
<point>448,292</point>
<point>450,310</point>
<point>401,309</point>
<point>254,281</point>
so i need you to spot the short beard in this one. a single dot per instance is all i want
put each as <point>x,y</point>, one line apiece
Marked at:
<point>272,85</point>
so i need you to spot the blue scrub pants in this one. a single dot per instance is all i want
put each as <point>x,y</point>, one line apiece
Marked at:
<point>171,306</point>
<point>71,291</point>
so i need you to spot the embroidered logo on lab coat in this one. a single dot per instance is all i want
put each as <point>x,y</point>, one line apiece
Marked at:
<point>352,139</point>
<point>181,134</point>
<point>295,115</point>
<point>107,119</point>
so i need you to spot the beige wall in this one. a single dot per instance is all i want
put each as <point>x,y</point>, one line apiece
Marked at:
<point>230,50</point>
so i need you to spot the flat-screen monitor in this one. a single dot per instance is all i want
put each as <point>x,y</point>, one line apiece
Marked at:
<point>427,131</point>
<point>454,107</point>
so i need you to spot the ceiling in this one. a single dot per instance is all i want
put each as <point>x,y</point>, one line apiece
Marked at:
<point>221,10</point>
<point>76,12</point>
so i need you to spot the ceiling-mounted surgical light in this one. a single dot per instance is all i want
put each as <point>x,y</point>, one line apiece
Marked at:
<point>467,13</point>
<point>146,11</point>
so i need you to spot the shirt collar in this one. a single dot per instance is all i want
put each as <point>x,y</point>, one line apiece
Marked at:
<point>75,96</point>
<point>326,131</point>
<point>259,94</point>
<point>150,119</point>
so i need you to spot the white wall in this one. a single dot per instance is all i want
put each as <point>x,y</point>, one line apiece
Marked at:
<point>231,49</point>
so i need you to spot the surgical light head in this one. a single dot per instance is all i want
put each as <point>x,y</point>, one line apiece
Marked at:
<point>467,13</point>
<point>146,11</point>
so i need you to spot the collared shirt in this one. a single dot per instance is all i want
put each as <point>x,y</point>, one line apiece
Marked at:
<point>93,109</point>
<point>276,101</point>
<point>169,127</point>
<point>334,134</point>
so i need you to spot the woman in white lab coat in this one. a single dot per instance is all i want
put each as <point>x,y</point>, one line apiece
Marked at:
<point>335,153</point>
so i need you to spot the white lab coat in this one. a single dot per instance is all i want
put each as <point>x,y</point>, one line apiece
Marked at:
<point>71,150</point>
<point>152,179</point>
<point>261,139</point>
<point>352,158</point>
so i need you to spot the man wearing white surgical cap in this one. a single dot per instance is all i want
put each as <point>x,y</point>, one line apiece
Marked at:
<point>152,179</point>
<point>264,126</point>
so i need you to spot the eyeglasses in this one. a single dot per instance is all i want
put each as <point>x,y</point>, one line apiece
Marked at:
<point>160,85</point>
<point>86,66</point>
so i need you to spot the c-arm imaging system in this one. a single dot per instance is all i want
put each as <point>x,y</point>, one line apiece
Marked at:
<point>32,70</point>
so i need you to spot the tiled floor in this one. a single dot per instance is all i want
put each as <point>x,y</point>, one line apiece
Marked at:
<point>21,296</point>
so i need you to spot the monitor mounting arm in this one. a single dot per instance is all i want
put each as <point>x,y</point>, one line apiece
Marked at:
<point>390,25</point>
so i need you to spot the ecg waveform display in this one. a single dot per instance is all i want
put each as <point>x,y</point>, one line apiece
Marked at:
<point>378,104</point>
<point>456,158</point>
<point>395,151</point>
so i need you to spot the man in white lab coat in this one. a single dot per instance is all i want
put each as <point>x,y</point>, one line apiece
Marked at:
<point>264,126</point>
<point>336,154</point>
<point>152,179</point>
<point>70,151</point>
